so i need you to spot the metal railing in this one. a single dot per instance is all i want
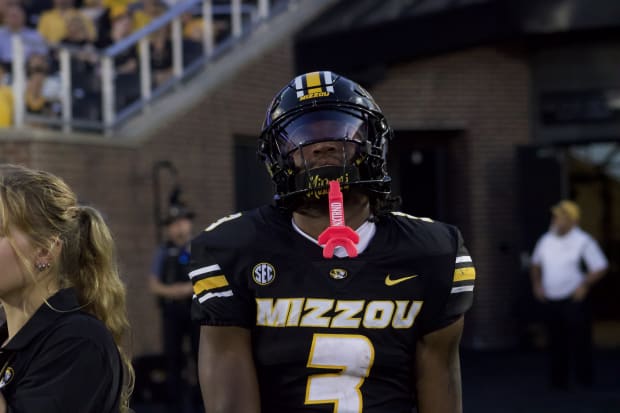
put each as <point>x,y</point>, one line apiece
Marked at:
<point>110,114</point>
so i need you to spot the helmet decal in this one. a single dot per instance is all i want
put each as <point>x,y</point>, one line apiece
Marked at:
<point>314,85</point>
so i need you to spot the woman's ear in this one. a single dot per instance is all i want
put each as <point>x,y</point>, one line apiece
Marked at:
<point>50,254</point>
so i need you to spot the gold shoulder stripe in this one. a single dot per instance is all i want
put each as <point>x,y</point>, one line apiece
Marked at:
<point>465,274</point>
<point>210,283</point>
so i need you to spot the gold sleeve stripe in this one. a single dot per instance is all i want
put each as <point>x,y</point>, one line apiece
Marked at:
<point>312,81</point>
<point>464,274</point>
<point>210,283</point>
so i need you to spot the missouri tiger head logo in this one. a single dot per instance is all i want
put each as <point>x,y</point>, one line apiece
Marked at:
<point>7,377</point>
<point>338,273</point>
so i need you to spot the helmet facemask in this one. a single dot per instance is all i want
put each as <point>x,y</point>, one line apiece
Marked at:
<point>305,150</point>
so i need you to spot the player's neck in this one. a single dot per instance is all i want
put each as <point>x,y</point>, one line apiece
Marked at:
<point>313,221</point>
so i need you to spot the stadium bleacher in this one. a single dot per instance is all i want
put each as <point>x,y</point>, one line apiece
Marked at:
<point>86,29</point>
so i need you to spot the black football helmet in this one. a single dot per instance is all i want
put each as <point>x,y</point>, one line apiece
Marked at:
<point>319,107</point>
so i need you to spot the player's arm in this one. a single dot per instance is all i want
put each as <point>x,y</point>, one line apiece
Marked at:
<point>536,272</point>
<point>438,370</point>
<point>536,277</point>
<point>225,310</point>
<point>174,291</point>
<point>226,370</point>
<point>597,266</point>
<point>437,365</point>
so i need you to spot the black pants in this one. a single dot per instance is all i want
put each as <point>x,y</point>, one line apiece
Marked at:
<point>569,327</point>
<point>177,327</point>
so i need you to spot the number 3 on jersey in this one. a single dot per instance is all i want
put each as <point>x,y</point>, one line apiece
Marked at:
<point>353,355</point>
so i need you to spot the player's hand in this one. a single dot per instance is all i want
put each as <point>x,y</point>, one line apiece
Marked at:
<point>580,293</point>
<point>539,293</point>
<point>182,290</point>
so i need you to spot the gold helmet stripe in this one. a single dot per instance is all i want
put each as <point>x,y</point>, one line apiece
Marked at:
<point>312,81</point>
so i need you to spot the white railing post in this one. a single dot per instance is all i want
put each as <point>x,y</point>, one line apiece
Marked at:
<point>235,15</point>
<point>108,104</point>
<point>19,81</point>
<point>207,29</point>
<point>65,84</point>
<point>177,48</point>
<point>145,72</point>
<point>263,9</point>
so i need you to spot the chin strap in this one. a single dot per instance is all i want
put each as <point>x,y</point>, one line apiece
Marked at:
<point>337,234</point>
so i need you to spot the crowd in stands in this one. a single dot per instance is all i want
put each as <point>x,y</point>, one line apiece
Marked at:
<point>86,27</point>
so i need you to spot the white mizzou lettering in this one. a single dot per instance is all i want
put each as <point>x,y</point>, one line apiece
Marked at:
<point>268,314</point>
<point>329,313</point>
<point>347,310</point>
<point>316,316</point>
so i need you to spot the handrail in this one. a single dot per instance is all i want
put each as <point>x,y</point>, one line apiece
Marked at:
<point>163,21</point>
<point>111,116</point>
<point>152,27</point>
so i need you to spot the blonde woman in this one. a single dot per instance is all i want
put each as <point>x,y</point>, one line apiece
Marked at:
<point>63,299</point>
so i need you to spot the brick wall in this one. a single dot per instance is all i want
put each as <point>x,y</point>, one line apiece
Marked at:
<point>117,179</point>
<point>483,90</point>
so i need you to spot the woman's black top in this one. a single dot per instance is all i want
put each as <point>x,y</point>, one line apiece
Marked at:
<point>62,360</point>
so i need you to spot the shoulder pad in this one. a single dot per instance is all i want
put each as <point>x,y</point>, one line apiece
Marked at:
<point>236,230</point>
<point>427,228</point>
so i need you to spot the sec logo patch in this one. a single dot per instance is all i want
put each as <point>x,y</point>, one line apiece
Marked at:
<point>263,273</point>
<point>8,376</point>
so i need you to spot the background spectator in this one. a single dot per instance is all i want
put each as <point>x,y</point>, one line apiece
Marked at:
<point>193,28</point>
<point>122,26</point>
<point>42,90</point>
<point>147,11</point>
<point>6,101</point>
<point>34,9</point>
<point>77,35</point>
<point>84,79</point>
<point>15,23</point>
<point>169,282</point>
<point>4,4</point>
<point>161,55</point>
<point>566,263</point>
<point>126,63</point>
<point>53,23</point>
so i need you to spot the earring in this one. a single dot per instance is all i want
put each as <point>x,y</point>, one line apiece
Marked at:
<point>43,266</point>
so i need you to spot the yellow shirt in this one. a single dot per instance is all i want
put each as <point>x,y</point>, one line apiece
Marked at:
<point>108,3</point>
<point>193,29</point>
<point>6,106</point>
<point>53,24</point>
<point>112,3</point>
<point>141,19</point>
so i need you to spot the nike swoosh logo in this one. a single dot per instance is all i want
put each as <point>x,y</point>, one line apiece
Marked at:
<point>390,282</point>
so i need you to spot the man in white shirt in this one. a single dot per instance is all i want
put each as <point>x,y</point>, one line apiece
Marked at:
<point>561,283</point>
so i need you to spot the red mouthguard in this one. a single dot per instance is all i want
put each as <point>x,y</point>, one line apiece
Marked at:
<point>337,234</point>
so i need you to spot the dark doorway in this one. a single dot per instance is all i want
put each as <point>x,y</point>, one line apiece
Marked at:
<point>420,166</point>
<point>253,187</point>
<point>541,184</point>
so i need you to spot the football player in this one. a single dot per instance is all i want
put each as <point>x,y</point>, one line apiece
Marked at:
<point>284,329</point>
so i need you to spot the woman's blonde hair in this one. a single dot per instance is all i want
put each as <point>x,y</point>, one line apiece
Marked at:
<point>43,206</point>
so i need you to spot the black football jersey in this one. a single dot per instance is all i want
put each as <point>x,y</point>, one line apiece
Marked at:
<point>331,335</point>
